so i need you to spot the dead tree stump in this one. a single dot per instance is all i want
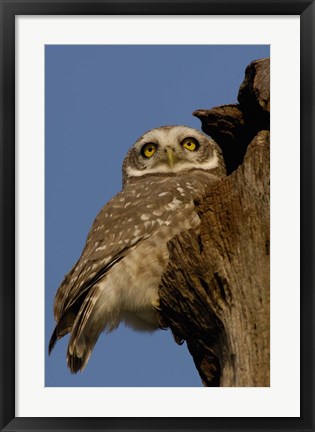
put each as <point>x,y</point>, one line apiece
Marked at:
<point>214,293</point>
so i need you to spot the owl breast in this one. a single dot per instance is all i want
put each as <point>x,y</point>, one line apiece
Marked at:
<point>131,287</point>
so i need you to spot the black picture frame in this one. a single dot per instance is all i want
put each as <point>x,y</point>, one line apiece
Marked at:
<point>9,10</point>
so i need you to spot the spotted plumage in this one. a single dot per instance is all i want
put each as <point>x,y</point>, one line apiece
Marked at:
<point>117,276</point>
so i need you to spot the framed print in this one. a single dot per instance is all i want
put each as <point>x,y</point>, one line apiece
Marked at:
<point>95,94</point>
<point>141,99</point>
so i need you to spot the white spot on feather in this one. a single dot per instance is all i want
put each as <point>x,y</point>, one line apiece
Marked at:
<point>190,186</point>
<point>145,216</point>
<point>158,212</point>
<point>163,194</point>
<point>174,204</point>
<point>100,248</point>
<point>148,224</point>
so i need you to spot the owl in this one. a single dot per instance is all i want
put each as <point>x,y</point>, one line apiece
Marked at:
<point>117,276</point>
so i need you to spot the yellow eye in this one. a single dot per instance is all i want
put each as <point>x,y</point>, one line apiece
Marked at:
<point>148,150</point>
<point>190,144</point>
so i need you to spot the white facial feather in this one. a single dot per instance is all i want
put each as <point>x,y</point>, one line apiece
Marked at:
<point>205,157</point>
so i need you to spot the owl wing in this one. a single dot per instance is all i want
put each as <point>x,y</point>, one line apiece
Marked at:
<point>120,225</point>
<point>77,286</point>
<point>69,298</point>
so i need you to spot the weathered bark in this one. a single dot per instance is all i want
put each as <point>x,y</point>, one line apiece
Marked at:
<point>234,126</point>
<point>215,291</point>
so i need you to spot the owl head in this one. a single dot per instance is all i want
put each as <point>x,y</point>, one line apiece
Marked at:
<point>170,150</point>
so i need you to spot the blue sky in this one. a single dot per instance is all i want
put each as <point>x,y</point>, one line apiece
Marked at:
<point>98,101</point>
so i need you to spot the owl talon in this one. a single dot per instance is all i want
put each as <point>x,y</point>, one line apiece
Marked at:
<point>156,305</point>
<point>178,340</point>
<point>162,324</point>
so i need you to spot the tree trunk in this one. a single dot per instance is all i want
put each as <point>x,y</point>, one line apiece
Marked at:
<point>215,291</point>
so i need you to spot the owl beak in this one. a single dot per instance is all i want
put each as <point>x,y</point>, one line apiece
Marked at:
<point>170,157</point>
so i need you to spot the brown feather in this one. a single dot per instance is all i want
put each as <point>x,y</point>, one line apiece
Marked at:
<point>62,328</point>
<point>83,336</point>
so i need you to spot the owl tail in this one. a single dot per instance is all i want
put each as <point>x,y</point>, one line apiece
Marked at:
<point>63,327</point>
<point>85,333</point>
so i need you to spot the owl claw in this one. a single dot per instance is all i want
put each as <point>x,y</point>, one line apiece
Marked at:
<point>156,305</point>
<point>178,340</point>
<point>162,324</point>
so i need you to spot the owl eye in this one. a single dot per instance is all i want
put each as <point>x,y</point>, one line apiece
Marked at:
<point>190,144</point>
<point>148,150</point>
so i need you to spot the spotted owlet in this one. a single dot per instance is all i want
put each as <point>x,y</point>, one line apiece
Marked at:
<point>118,274</point>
